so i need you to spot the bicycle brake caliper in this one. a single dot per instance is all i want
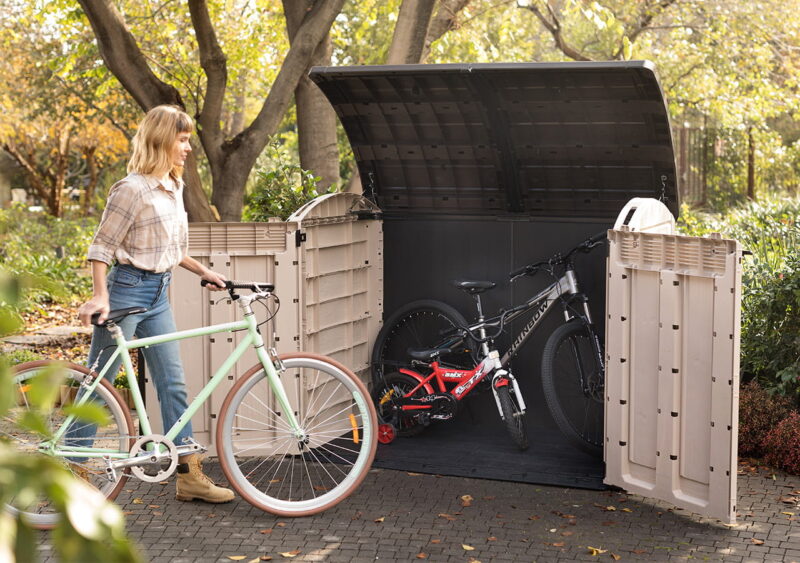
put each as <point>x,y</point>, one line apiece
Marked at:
<point>276,360</point>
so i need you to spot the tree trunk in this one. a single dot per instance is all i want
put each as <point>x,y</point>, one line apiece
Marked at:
<point>316,120</point>
<point>128,64</point>
<point>442,22</point>
<point>410,31</point>
<point>91,186</point>
<point>230,160</point>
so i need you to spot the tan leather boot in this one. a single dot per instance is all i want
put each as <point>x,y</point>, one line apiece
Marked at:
<point>193,484</point>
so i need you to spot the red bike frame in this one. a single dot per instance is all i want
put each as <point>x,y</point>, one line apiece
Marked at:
<point>462,381</point>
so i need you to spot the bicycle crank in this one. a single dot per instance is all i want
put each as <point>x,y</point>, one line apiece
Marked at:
<point>153,459</point>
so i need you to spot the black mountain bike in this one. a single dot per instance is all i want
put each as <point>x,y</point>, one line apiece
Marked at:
<point>573,365</point>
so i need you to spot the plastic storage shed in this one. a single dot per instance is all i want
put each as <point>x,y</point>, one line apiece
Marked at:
<point>326,263</point>
<point>482,168</point>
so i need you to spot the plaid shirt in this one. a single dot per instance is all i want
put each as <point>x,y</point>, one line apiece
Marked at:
<point>144,224</point>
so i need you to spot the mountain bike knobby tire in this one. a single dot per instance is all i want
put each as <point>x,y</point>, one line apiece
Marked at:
<point>572,381</point>
<point>419,325</point>
<point>289,474</point>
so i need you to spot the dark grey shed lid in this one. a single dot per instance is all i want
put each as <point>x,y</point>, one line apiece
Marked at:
<point>567,140</point>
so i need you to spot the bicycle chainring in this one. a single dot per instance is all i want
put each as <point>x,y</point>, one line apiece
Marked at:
<point>162,465</point>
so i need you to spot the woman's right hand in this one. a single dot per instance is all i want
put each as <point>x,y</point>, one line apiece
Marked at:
<point>98,303</point>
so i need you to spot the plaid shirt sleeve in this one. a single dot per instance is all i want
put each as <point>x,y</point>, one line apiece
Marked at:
<point>121,210</point>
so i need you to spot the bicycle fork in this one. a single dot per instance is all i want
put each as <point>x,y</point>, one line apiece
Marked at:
<point>503,377</point>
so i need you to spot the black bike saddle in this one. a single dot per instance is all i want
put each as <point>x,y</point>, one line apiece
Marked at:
<point>117,315</point>
<point>473,287</point>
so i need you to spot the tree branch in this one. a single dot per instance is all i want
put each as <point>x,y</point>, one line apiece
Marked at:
<point>124,58</point>
<point>554,27</point>
<point>315,26</point>
<point>442,22</point>
<point>214,63</point>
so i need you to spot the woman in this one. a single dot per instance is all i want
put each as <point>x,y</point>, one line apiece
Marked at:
<point>142,236</point>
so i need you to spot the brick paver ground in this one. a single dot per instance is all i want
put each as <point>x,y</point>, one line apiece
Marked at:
<point>397,516</point>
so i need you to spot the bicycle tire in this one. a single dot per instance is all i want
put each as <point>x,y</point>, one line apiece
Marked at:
<point>401,384</point>
<point>259,453</point>
<point>573,385</point>
<point>513,419</point>
<point>415,325</point>
<point>120,430</point>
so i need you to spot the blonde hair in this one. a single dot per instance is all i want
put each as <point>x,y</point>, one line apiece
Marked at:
<point>152,144</point>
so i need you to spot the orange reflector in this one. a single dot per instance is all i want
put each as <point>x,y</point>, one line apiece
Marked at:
<point>355,428</point>
<point>24,388</point>
<point>387,396</point>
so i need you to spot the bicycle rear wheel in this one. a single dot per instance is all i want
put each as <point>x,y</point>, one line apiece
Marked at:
<point>279,471</point>
<point>573,384</point>
<point>113,437</point>
<point>419,324</point>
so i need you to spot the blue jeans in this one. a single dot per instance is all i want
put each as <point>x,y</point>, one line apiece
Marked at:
<point>131,287</point>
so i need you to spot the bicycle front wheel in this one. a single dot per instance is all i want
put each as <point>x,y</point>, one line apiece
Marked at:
<point>113,437</point>
<point>297,472</point>
<point>419,324</point>
<point>513,417</point>
<point>573,384</point>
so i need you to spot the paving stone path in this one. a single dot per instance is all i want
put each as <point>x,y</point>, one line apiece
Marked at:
<point>397,516</point>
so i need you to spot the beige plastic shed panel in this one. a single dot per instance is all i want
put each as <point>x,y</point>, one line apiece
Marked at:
<point>672,345</point>
<point>327,269</point>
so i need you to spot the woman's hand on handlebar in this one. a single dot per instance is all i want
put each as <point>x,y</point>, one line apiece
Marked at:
<point>213,280</point>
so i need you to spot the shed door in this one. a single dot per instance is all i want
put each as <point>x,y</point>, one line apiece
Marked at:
<point>672,346</point>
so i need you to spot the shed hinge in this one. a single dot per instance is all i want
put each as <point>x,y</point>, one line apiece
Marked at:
<point>299,237</point>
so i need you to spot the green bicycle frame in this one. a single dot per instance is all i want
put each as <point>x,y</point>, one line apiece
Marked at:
<point>123,347</point>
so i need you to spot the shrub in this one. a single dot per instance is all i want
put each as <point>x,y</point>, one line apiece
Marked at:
<point>759,414</point>
<point>770,337</point>
<point>280,188</point>
<point>47,251</point>
<point>19,356</point>
<point>782,444</point>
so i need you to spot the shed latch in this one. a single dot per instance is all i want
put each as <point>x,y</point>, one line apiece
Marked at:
<point>299,237</point>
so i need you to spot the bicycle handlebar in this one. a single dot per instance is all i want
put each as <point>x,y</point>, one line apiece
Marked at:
<point>252,286</point>
<point>585,246</point>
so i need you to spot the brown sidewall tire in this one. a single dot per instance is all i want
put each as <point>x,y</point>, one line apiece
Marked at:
<point>110,388</point>
<point>226,405</point>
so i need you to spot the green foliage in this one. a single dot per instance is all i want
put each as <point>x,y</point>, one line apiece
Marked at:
<point>93,529</point>
<point>20,356</point>
<point>280,190</point>
<point>47,250</point>
<point>770,338</point>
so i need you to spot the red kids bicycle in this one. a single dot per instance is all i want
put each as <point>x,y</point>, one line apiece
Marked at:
<point>426,359</point>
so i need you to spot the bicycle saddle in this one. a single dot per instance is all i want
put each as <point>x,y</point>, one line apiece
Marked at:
<point>473,287</point>
<point>117,315</point>
<point>426,355</point>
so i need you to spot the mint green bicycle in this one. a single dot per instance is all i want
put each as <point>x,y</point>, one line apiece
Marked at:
<point>296,434</point>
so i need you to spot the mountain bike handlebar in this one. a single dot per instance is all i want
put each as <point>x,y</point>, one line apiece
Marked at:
<point>558,258</point>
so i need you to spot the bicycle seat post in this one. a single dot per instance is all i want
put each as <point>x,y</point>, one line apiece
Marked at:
<point>482,329</point>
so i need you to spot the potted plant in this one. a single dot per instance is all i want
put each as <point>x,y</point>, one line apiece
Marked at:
<point>121,383</point>
<point>67,392</point>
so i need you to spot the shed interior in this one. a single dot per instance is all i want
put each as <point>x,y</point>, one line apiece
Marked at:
<point>479,169</point>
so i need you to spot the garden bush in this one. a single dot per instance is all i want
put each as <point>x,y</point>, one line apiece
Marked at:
<point>280,188</point>
<point>759,414</point>
<point>770,337</point>
<point>48,252</point>
<point>782,444</point>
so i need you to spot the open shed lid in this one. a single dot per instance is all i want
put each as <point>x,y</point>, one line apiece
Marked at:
<point>568,140</point>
